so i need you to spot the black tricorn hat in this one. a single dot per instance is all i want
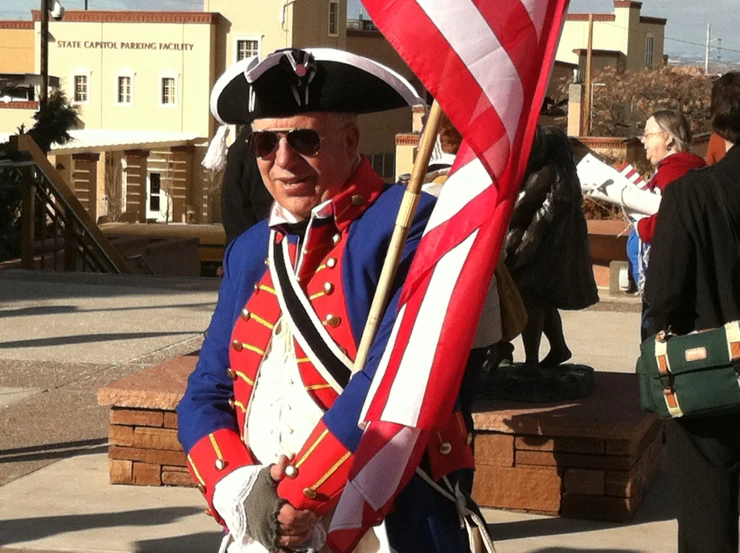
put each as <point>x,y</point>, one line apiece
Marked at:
<point>291,81</point>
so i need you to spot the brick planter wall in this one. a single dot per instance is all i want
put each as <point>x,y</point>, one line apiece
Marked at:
<point>591,459</point>
<point>144,449</point>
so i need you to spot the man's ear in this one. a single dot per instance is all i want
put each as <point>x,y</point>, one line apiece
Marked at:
<point>352,140</point>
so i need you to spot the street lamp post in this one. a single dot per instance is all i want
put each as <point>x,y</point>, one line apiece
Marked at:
<point>44,50</point>
<point>57,12</point>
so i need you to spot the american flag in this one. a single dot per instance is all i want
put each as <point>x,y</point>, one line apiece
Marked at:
<point>487,63</point>
<point>632,175</point>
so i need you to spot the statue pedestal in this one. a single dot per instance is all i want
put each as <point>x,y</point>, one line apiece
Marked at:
<point>591,458</point>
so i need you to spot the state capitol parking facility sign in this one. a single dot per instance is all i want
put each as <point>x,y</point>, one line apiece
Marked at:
<point>110,45</point>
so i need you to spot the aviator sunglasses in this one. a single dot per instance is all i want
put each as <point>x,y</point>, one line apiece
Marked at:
<point>306,142</point>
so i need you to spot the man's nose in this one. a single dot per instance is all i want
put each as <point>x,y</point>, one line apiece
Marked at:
<point>285,156</point>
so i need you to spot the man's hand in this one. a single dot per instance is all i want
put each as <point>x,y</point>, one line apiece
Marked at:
<point>296,526</point>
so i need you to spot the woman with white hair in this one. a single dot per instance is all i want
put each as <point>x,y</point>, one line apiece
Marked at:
<point>667,139</point>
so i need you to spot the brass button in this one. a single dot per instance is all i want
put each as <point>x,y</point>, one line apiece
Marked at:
<point>445,448</point>
<point>232,404</point>
<point>208,512</point>
<point>202,488</point>
<point>256,288</point>
<point>291,471</point>
<point>328,288</point>
<point>331,262</point>
<point>267,261</point>
<point>220,464</point>
<point>245,314</point>
<point>357,200</point>
<point>237,345</point>
<point>233,376</point>
<point>336,238</point>
<point>332,320</point>
<point>309,493</point>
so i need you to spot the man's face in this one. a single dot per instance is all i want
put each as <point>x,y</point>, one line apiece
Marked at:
<point>300,182</point>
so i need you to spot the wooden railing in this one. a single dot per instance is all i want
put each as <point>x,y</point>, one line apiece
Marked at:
<point>58,234</point>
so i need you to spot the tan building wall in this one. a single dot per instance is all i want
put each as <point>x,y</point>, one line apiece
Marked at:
<point>15,114</point>
<point>145,48</point>
<point>624,30</point>
<point>193,48</point>
<point>311,24</point>
<point>378,131</point>
<point>16,47</point>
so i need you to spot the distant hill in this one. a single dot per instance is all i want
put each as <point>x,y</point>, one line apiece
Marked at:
<point>715,66</point>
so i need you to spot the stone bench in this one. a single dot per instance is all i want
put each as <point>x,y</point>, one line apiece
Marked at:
<point>588,459</point>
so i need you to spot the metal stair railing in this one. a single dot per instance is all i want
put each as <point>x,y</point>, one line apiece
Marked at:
<point>52,216</point>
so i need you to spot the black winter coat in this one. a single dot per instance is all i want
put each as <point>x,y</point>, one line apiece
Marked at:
<point>244,199</point>
<point>547,250</point>
<point>693,280</point>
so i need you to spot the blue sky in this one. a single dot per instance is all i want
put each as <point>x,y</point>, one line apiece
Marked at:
<point>686,30</point>
<point>685,33</point>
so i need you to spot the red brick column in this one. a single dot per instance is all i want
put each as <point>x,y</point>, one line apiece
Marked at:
<point>181,181</point>
<point>136,173</point>
<point>85,181</point>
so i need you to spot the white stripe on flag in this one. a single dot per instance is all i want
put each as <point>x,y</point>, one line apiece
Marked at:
<point>459,21</point>
<point>462,187</point>
<point>378,480</point>
<point>407,393</point>
<point>537,10</point>
<point>382,365</point>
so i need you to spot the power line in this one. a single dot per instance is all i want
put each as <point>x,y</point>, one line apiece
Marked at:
<point>633,31</point>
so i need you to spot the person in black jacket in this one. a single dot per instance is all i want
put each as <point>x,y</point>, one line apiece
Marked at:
<point>244,199</point>
<point>693,283</point>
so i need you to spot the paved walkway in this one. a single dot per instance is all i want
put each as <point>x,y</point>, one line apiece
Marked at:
<point>63,338</point>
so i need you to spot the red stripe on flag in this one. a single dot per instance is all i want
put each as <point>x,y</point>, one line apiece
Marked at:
<point>432,55</point>
<point>517,34</point>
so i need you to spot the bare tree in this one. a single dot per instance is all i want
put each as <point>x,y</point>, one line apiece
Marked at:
<point>623,100</point>
<point>622,106</point>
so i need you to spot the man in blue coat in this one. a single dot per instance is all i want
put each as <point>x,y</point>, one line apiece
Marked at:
<point>270,418</point>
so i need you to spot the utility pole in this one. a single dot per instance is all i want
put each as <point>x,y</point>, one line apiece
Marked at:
<point>586,118</point>
<point>44,51</point>
<point>708,47</point>
<point>706,52</point>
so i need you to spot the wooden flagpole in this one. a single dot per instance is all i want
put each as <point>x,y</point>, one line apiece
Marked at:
<point>400,232</point>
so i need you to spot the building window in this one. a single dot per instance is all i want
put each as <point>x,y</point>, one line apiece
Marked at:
<point>125,86</point>
<point>333,18</point>
<point>246,48</point>
<point>80,93</point>
<point>169,91</point>
<point>384,165</point>
<point>649,51</point>
<point>154,190</point>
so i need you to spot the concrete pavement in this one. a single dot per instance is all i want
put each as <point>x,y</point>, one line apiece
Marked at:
<point>62,338</point>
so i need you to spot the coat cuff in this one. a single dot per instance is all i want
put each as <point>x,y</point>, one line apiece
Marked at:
<point>214,457</point>
<point>230,497</point>
<point>318,473</point>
